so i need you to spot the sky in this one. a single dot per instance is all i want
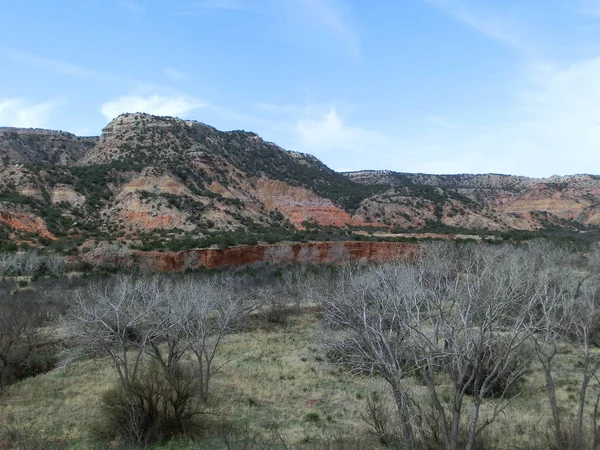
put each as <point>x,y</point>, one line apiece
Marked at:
<point>433,86</point>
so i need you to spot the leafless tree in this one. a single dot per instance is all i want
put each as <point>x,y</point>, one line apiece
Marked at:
<point>364,309</point>
<point>584,314</point>
<point>279,254</point>
<point>21,263</point>
<point>20,334</point>
<point>308,255</point>
<point>569,311</point>
<point>54,264</point>
<point>161,318</point>
<point>338,253</point>
<point>162,335</point>
<point>205,312</point>
<point>119,319</point>
<point>465,312</point>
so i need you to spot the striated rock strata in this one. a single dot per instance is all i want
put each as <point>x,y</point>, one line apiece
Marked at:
<point>305,253</point>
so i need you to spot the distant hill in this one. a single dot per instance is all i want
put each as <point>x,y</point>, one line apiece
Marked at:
<point>32,145</point>
<point>162,182</point>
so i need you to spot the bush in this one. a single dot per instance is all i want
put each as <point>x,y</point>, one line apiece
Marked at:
<point>31,365</point>
<point>503,378</point>
<point>379,417</point>
<point>157,405</point>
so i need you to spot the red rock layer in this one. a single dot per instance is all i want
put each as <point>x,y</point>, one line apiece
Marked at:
<point>26,222</point>
<point>306,253</point>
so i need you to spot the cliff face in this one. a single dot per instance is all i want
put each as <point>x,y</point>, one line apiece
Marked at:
<point>299,205</point>
<point>29,145</point>
<point>305,253</point>
<point>22,220</point>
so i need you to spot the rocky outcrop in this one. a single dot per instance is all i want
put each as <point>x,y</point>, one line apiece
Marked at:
<point>299,204</point>
<point>31,145</point>
<point>66,194</point>
<point>20,219</point>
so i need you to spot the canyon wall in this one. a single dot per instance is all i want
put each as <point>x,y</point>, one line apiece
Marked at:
<point>304,253</point>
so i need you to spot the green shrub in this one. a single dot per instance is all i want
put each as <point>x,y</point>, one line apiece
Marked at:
<point>157,405</point>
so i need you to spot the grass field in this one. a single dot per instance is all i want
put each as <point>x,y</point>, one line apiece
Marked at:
<point>277,383</point>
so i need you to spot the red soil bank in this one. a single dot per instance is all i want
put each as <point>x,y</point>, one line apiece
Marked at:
<point>307,253</point>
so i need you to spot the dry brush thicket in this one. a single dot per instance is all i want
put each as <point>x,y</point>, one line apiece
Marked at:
<point>453,333</point>
<point>470,318</point>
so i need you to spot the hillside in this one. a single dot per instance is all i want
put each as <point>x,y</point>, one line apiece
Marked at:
<point>488,201</point>
<point>31,145</point>
<point>164,183</point>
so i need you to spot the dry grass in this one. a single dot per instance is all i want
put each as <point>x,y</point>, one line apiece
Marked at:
<point>274,380</point>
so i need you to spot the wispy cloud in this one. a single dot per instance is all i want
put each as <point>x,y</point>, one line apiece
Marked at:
<point>552,127</point>
<point>132,6</point>
<point>177,75</point>
<point>59,67</point>
<point>152,104</point>
<point>203,7</point>
<point>333,15</point>
<point>486,22</point>
<point>17,112</point>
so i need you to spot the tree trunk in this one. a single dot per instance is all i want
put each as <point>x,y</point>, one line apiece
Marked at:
<point>404,413</point>
<point>472,432</point>
<point>551,392</point>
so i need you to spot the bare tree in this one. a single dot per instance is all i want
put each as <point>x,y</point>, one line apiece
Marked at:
<point>118,319</point>
<point>279,254</point>
<point>149,327</point>
<point>569,311</point>
<point>160,318</point>
<point>20,334</point>
<point>470,318</point>
<point>364,309</point>
<point>338,253</point>
<point>584,313</point>
<point>464,312</point>
<point>205,312</point>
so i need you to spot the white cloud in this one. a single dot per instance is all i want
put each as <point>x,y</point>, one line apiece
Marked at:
<point>330,133</point>
<point>342,145</point>
<point>17,112</point>
<point>152,104</point>
<point>176,75</point>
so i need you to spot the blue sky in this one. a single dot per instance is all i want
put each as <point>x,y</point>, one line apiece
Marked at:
<point>438,86</point>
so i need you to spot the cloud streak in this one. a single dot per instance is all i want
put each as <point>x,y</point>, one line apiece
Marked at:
<point>485,22</point>
<point>332,15</point>
<point>59,67</point>
<point>132,6</point>
<point>205,7</point>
